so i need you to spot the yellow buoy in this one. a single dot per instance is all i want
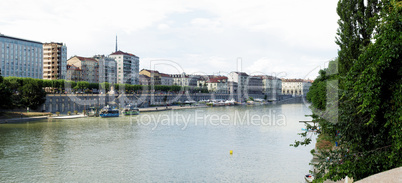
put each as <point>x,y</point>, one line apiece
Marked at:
<point>231,152</point>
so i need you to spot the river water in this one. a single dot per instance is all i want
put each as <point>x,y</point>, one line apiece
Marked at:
<point>168,146</point>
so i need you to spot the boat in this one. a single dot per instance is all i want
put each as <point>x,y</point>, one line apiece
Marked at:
<point>131,110</point>
<point>69,117</point>
<point>94,112</point>
<point>108,111</point>
<point>309,177</point>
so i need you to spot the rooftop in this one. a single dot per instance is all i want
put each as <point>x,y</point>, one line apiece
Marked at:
<point>122,53</point>
<point>19,39</point>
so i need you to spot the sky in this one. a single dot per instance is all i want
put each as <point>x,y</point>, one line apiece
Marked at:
<point>288,39</point>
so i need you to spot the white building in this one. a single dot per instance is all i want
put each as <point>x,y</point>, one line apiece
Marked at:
<point>127,67</point>
<point>241,78</point>
<point>107,69</point>
<point>295,87</point>
<point>21,57</point>
<point>180,79</point>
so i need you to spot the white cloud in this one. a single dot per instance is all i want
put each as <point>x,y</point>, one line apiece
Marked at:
<point>270,36</point>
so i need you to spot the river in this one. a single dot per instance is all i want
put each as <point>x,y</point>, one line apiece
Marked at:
<point>168,146</point>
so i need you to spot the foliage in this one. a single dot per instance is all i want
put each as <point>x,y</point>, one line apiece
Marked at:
<point>356,27</point>
<point>369,128</point>
<point>32,94</point>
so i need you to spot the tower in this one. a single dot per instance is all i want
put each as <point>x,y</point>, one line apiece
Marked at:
<point>116,43</point>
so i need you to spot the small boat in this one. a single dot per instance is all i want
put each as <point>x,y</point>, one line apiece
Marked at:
<point>94,112</point>
<point>69,117</point>
<point>309,177</point>
<point>107,111</point>
<point>131,110</point>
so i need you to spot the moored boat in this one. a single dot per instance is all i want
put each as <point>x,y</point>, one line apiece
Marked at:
<point>309,177</point>
<point>131,110</point>
<point>108,111</point>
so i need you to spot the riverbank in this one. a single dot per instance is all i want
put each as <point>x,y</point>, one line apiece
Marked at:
<point>16,117</point>
<point>164,108</point>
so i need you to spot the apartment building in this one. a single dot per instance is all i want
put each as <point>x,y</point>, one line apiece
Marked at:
<point>54,61</point>
<point>89,68</point>
<point>127,67</point>
<point>107,69</point>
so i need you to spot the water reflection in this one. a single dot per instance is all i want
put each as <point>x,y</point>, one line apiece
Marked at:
<point>125,149</point>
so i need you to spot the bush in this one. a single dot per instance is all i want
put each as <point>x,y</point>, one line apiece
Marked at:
<point>75,112</point>
<point>69,113</point>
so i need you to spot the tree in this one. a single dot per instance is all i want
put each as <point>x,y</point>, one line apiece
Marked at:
<point>356,27</point>
<point>82,85</point>
<point>32,94</point>
<point>369,131</point>
<point>5,94</point>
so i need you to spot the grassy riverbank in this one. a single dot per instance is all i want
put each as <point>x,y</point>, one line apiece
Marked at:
<point>10,115</point>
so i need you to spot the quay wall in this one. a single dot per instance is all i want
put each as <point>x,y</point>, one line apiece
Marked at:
<point>70,102</point>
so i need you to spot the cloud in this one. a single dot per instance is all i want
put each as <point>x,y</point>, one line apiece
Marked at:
<point>270,36</point>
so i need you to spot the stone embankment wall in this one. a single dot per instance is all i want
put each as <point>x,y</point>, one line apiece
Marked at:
<point>70,102</point>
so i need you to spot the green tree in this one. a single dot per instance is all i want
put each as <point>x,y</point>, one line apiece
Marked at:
<point>32,94</point>
<point>370,107</point>
<point>82,85</point>
<point>5,94</point>
<point>356,26</point>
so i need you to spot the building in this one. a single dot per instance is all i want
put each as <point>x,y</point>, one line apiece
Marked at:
<point>217,84</point>
<point>127,67</point>
<point>144,80</point>
<point>21,57</point>
<point>107,69</point>
<point>166,79</point>
<point>232,87</point>
<point>254,85</point>
<point>241,78</point>
<point>73,73</point>
<point>54,61</point>
<point>295,87</point>
<point>180,79</point>
<point>89,68</point>
<point>271,86</point>
<point>155,76</point>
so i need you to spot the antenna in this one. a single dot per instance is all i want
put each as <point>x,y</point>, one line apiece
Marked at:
<point>116,42</point>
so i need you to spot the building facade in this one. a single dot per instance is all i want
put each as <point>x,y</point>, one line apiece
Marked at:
<point>127,67</point>
<point>73,73</point>
<point>107,69</point>
<point>54,61</point>
<point>241,78</point>
<point>271,86</point>
<point>295,87</point>
<point>180,79</point>
<point>89,68</point>
<point>218,84</point>
<point>166,79</point>
<point>155,76</point>
<point>21,57</point>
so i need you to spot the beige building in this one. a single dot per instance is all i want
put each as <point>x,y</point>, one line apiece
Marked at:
<point>89,68</point>
<point>73,73</point>
<point>295,87</point>
<point>155,76</point>
<point>54,61</point>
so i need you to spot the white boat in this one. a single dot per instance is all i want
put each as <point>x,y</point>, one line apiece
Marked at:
<point>309,177</point>
<point>69,117</point>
